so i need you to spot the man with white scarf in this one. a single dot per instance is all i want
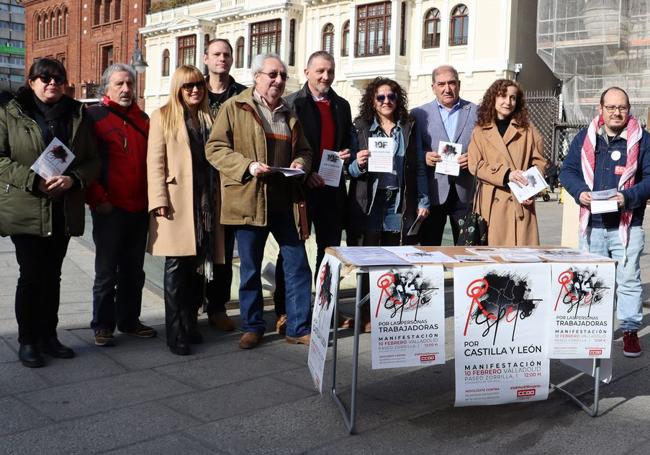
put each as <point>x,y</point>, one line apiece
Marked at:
<point>613,153</point>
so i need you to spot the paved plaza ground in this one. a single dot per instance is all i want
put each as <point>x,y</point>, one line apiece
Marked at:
<point>139,398</point>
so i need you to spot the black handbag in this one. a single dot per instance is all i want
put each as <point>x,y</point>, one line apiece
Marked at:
<point>473,229</point>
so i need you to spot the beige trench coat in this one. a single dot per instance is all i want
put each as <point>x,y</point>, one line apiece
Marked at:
<point>489,158</point>
<point>170,177</point>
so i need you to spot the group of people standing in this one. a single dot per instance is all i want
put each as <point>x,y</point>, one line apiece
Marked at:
<point>202,173</point>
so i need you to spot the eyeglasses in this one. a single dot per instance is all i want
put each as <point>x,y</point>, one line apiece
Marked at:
<point>275,74</point>
<point>189,86</point>
<point>611,109</point>
<point>46,78</point>
<point>391,97</point>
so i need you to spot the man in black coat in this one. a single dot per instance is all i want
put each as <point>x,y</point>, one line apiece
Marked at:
<point>327,122</point>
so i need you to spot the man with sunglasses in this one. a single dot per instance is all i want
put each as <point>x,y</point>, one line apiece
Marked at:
<point>448,118</point>
<point>218,60</point>
<point>613,154</point>
<point>327,122</point>
<point>254,134</point>
<point>118,205</point>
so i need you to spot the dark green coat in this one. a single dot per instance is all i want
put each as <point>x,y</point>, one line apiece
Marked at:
<point>24,210</point>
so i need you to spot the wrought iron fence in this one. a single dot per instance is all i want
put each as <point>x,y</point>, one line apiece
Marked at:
<point>543,109</point>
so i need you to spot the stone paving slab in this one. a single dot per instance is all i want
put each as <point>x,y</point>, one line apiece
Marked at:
<point>174,444</point>
<point>99,395</point>
<point>98,433</point>
<point>241,398</point>
<point>16,417</point>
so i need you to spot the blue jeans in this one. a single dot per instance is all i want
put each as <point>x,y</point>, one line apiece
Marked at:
<point>251,241</point>
<point>120,242</point>
<point>606,242</point>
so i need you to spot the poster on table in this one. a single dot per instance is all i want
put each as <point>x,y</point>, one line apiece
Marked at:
<point>501,319</point>
<point>327,288</point>
<point>407,311</point>
<point>583,310</point>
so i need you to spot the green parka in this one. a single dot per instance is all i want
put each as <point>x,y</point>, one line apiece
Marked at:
<point>23,209</point>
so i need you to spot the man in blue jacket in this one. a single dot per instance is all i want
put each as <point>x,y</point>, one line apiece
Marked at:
<point>613,153</point>
<point>448,118</point>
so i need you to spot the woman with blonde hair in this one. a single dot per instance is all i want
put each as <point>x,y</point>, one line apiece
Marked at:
<point>182,201</point>
<point>504,145</point>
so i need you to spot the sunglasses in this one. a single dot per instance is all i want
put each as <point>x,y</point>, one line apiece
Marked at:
<point>189,86</point>
<point>391,97</point>
<point>46,78</point>
<point>275,74</point>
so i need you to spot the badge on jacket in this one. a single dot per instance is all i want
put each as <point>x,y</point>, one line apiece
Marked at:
<point>618,170</point>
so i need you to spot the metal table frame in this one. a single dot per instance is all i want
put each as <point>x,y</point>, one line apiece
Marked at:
<point>350,415</point>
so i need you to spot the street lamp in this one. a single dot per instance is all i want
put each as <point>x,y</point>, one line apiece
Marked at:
<point>138,64</point>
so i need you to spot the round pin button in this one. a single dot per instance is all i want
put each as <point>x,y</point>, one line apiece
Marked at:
<point>616,155</point>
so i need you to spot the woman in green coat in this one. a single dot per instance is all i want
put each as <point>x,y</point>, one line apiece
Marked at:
<point>41,213</point>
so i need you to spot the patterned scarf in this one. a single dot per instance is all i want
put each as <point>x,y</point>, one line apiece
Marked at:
<point>588,162</point>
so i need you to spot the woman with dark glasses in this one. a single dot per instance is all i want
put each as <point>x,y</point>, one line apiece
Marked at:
<point>41,212</point>
<point>384,205</point>
<point>182,198</point>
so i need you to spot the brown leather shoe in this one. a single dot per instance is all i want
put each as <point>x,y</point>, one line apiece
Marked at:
<point>249,340</point>
<point>305,339</point>
<point>281,325</point>
<point>346,321</point>
<point>221,321</point>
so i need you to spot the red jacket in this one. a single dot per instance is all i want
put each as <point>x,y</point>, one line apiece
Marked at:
<point>122,178</point>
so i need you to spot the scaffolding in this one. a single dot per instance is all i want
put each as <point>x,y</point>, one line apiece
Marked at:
<point>594,44</point>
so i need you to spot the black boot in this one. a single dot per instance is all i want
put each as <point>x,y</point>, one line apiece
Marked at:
<point>53,347</point>
<point>30,356</point>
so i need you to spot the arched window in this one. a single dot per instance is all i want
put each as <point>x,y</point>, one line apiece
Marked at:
<point>47,25</point>
<point>97,7</point>
<point>38,26</point>
<point>431,37</point>
<point>458,26</point>
<point>118,10</point>
<point>239,52</point>
<point>65,21</point>
<point>165,62</point>
<point>327,42</point>
<point>59,20</point>
<point>345,39</point>
<point>54,19</point>
<point>107,11</point>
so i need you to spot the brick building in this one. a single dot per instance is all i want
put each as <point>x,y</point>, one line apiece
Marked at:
<point>86,35</point>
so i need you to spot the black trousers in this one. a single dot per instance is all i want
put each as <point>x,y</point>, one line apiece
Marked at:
<point>183,288</point>
<point>218,289</point>
<point>433,227</point>
<point>39,284</point>
<point>120,240</point>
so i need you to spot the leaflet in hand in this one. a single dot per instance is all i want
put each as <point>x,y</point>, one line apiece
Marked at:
<point>536,183</point>
<point>449,152</point>
<point>381,154</point>
<point>288,171</point>
<point>331,167</point>
<point>601,201</point>
<point>54,160</point>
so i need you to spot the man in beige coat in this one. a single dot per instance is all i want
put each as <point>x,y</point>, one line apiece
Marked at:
<point>254,133</point>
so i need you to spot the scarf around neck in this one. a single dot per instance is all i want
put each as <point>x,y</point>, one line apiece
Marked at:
<point>588,164</point>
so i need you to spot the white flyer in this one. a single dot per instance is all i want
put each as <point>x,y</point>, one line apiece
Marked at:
<point>407,311</point>
<point>54,160</point>
<point>606,206</point>
<point>583,310</point>
<point>501,319</point>
<point>331,167</point>
<point>327,288</point>
<point>536,183</point>
<point>476,258</point>
<point>417,256</point>
<point>449,152</point>
<point>369,255</point>
<point>381,151</point>
<point>569,255</point>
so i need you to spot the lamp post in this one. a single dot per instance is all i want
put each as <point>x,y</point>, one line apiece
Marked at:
<point>138,64</point>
